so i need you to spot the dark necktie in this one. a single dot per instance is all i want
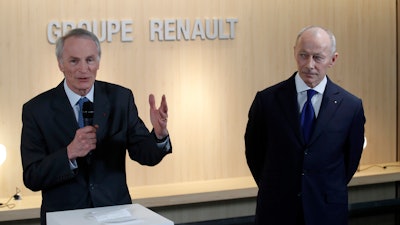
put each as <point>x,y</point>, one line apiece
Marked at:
<point>307,117</point>
<point>80,114</point>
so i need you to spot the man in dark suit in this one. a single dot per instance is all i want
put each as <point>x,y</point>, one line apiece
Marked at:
<point>305,181</point>
<point>80,167</point>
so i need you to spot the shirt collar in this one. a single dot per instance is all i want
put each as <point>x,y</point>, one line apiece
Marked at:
<point>301,86</point>
<point>74,98</point>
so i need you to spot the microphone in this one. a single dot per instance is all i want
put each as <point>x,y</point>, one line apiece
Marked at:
<point>87,112</point>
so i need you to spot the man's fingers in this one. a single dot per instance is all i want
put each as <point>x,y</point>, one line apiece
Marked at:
<point>152,101</point>
<point>164,105</point>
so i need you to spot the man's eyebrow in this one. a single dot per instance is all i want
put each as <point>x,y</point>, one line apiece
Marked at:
<point>73,57</point>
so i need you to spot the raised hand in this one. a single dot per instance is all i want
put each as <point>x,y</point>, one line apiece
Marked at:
<point>159,117</point>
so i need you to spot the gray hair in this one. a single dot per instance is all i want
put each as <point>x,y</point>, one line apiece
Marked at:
<point>79,32</point>
<point>330,34</point>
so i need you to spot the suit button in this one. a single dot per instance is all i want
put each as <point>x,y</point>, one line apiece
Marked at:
<point>91,186</point>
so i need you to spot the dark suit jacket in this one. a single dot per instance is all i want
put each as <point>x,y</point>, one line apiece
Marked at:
<point>49,125</point>
<point>289,173</point>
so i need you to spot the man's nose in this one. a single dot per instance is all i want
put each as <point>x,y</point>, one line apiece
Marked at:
<point>83,66</point>
<point>310,62</point>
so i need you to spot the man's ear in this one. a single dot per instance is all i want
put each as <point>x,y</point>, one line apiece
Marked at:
<point>334,58</point>
<point>60,66</point>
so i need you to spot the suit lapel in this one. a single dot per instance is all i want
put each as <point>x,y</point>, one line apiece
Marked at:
<point>287,98</point>
<point>64,116</point>
<point>101,109</point>
<point>330,103</point>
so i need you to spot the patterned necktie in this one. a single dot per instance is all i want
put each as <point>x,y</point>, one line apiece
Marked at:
<point>80,114</point>
<point>307,117</point>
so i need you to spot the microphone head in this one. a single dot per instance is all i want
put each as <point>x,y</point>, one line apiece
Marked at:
<point>87,110</point>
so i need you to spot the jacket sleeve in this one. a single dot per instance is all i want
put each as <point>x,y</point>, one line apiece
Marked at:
<point>355,141</point>
<point>142,146</point>
<point>253,139</point>
<point>42,167</point>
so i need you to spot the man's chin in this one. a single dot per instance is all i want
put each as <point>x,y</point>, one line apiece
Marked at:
<point>84,89</point>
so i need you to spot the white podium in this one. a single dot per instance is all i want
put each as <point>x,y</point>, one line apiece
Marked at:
<point>131,214</point>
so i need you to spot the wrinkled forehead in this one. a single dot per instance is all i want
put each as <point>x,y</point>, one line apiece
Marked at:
<point>315,42</point>
<point>79,47</point>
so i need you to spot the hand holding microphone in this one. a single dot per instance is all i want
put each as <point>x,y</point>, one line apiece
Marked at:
<point>88,113</point>
<point>85,138</point>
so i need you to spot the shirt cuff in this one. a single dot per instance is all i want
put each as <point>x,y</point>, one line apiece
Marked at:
<point>72,164</point>
<point>164,144</point>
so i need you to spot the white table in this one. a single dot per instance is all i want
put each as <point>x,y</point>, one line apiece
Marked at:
<point>131,214</point>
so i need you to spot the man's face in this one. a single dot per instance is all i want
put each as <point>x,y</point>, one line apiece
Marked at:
<point>79,63</point>
<point>314,56</point>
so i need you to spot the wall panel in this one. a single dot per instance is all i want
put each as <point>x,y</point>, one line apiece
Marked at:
<point>209,84</point>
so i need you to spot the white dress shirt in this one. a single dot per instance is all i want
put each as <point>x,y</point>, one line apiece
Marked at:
<point>73,100</point>
<point>302,88</point>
